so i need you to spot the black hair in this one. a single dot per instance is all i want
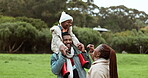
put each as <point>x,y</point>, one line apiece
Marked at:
<point>65,33</point>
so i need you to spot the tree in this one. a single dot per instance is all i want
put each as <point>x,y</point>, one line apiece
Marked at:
<point>83,12</point>
<point>121,18</point>
<point>14,35</point>
<point>24,35</point>
<point>131,41</point>
<point>47,10</point>
<point>87,36</point>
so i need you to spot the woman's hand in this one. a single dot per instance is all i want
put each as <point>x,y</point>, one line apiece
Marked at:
<point>91,48</point>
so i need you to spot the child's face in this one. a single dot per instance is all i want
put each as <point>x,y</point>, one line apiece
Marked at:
<point>66,24</point>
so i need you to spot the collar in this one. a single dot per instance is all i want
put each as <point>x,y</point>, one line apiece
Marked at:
<point>60,27</point>
<point>101,60</point>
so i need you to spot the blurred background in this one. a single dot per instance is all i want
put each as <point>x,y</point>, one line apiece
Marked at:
<point>25,25</point>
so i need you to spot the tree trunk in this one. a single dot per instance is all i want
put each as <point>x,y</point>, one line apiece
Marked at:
<point>13,50</point>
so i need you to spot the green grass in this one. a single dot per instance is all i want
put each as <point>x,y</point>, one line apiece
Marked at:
<point>38,66</point>
<point>132,65</point>
<point>25,66</point>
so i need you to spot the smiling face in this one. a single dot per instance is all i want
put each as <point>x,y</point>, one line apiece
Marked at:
<point>66,24</point>
<point>67,40</point>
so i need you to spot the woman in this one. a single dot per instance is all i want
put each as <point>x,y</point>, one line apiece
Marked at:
<point>104,65</point>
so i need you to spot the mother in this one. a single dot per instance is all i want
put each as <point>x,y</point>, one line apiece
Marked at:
<point>104,65</point>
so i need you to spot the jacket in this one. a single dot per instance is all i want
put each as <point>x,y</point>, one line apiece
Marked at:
<point>99,69</point>
<point>57,61</point>
<point>57,38</point>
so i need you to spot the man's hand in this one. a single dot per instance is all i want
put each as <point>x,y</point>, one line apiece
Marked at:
<point>91,48</point>
<point>81,47</point>
<point>63,50</point>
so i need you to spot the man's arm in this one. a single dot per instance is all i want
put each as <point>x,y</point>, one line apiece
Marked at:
<point>57,63</point>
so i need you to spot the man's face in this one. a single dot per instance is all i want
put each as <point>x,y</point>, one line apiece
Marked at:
<point>67,24</point>
<point>67,41</point>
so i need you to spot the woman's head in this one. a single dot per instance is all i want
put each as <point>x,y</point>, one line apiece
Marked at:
<point>102,51</point>
<point>106,52</point>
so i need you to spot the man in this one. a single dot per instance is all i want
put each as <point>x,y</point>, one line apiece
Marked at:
<point>65,26</point>
<point>71,59</point>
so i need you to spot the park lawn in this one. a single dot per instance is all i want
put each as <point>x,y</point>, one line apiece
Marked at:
<point>25,66</point>
<point>132,65</point>
<point>38,66</point>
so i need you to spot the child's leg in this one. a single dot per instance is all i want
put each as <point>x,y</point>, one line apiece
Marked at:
<point>82,60</point>
<point>64,71</point>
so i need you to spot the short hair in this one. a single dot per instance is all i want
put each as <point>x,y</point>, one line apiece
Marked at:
<point>65,33</point>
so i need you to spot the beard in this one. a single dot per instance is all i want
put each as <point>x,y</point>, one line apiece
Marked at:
<point>69,46</point>
<point>68,51</point>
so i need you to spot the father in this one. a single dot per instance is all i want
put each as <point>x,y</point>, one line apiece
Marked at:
<point>73,62</point>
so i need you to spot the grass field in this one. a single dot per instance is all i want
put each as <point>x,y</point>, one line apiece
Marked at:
<point>38,66</point>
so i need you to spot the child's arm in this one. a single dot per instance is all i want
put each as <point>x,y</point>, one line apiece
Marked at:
<point>57,44</point>
<point>74,38</point>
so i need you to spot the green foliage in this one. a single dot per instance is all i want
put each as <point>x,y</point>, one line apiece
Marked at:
<point>108,36</point>
<point>17,29</point>
<point>22,34</point>
<point>121,18</point>
<point>16,33</point>
<point>87,36</point>
<point>144,29</point>
<point>131,41</point>
<point>47,10</point>
<point>6,19</point>
<point>83,13</point>
<point>43,42</point>
<point>115,18</point>
<point>38,23</point>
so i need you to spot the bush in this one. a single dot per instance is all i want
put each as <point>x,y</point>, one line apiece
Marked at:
<point>38,23</point>
<point>87,36</point>
<point>27,34</point>
<point>135,43</point>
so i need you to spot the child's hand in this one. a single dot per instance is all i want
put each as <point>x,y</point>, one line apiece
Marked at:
<point>63,50</point>
<point>81,47</point>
